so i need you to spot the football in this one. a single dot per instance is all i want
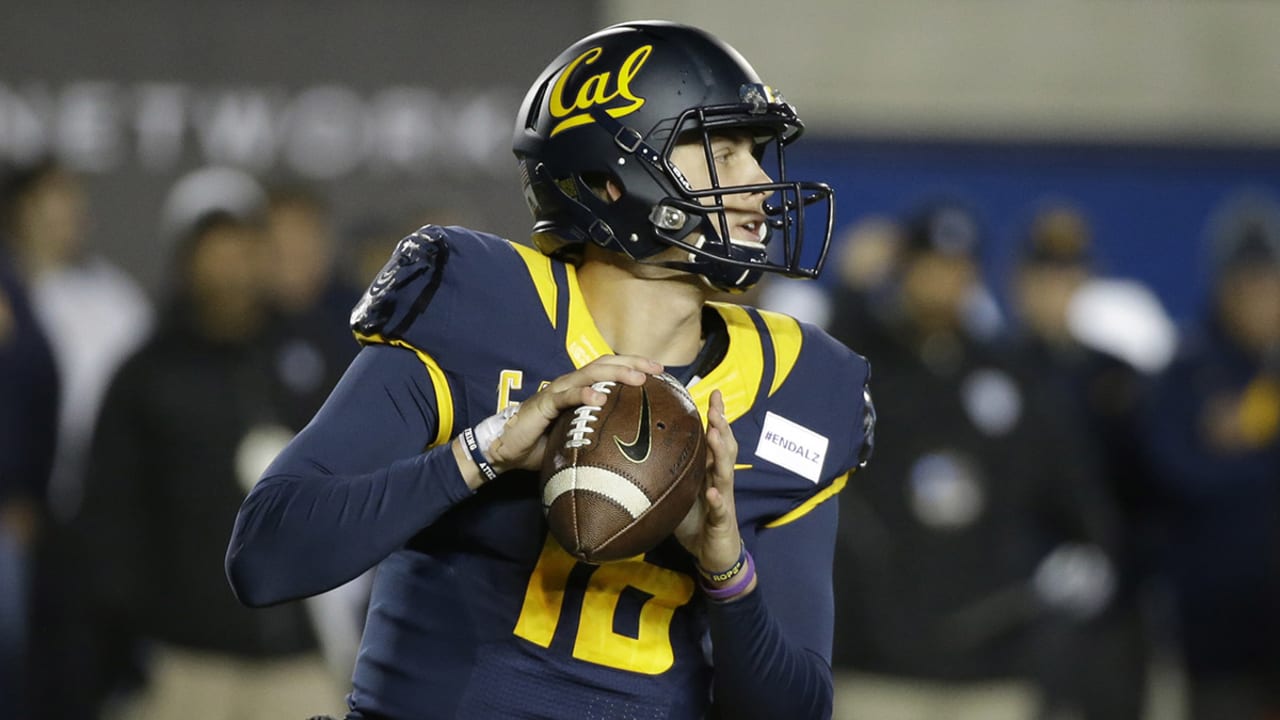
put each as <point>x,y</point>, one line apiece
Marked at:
<point>617,479</point>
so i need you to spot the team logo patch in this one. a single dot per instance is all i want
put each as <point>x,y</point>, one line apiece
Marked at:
<point>571,99</point>
<point>793,446</point>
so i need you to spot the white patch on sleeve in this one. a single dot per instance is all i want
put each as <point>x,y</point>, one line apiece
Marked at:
<point>793,446</point>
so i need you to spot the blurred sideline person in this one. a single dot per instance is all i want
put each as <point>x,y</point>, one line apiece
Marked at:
<point>1212,432</point>
<point>978,528</point>
<point>312,346</point>
<point>869,261</point>
<point>311,303</point>
<point>93,314</point>
<point>28,434</point>
<point>372,237</point>
<point>367,243</point>
<point>187,424</point>
<point>643,150</point>
<point>1098,668</point>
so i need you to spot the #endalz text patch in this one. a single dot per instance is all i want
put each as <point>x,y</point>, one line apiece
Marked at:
<point>793,446</point>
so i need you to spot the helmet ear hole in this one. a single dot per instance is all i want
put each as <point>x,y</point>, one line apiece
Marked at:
<point>605,186</point>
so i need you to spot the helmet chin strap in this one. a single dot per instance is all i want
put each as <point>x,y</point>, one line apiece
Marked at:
<point>719,276</point>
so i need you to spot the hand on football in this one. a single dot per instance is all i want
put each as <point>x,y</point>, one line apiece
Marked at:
<point>710,531</point>
<point>524,438</point>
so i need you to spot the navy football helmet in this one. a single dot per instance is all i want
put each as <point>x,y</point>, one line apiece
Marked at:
<point>612,108</point>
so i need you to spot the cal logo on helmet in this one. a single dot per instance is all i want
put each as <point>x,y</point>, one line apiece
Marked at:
<point>570,101</point>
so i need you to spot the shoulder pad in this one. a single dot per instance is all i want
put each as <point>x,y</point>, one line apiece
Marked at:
<point>868,423</point>
<point>828,368</point>
<point>404,286</point>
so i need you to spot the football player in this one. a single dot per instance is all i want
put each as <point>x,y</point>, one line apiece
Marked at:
<point>652,159</point>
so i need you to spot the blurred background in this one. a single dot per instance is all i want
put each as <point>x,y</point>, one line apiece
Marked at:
<point>1057,240</point>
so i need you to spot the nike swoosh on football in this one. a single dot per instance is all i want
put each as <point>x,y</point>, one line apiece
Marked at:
<point>637,451</point>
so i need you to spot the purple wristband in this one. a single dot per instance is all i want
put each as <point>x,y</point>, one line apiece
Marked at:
<point>747,574</point>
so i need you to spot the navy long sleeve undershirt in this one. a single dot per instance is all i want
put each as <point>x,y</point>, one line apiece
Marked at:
<point>351,488</point>
<point>354,486</point>
<point>772,648</point>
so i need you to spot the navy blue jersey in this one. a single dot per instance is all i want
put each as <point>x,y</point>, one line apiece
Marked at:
<point>476,611</point>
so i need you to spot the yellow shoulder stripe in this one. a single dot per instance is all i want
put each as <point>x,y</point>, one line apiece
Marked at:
<point>582,339</point>
<point>818,498</point>
<point>540,271</point>
<point>444,398</point>
<point>787,338</point>
<point>738,375</point>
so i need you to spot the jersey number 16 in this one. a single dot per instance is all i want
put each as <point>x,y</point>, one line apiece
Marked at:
<point>649,652</point>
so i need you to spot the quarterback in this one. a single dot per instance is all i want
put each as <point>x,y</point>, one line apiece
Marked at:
<point>652,160</point>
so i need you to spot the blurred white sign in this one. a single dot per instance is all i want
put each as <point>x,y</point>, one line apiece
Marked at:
<point>319,132</point>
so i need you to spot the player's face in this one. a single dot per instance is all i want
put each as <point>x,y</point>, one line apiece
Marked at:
<point>735,164</point>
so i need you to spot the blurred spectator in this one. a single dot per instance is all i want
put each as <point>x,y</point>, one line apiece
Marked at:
<point>371,238</point>
<point>313,344</point>
<point>868,262</point>
<point>28,426</point>
<point>369,241</point>
<point>188,424</point>
<point>1098,668</point>
<point>93,314</point>
<point>1212,427</point>
<point>207,189</point>
<point>976,525</point>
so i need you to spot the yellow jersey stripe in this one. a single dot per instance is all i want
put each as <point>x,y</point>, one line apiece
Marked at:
<point>444,398</point>
<point>738,376</point>
<point>805,507</point>
<point>582,339</point>
<point>787,339</point>
<point>540,271</point>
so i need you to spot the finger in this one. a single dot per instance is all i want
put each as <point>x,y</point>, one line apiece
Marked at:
<point>549,403</point>
<point>720,476</point>
<point>690,528</point>
<point>627,369</point>
<point>581,388</point>
<point>724,453</point>
<point>570,390</point>
<point>523,430</point>
<point>717,401</point>
<point>715,503</point>
<point>635,361</point>
<point>721,442</point>
<point>605,368</point>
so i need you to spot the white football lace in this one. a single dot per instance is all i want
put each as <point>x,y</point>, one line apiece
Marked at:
<point>580,425</point>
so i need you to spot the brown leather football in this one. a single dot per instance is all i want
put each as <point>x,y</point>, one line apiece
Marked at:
<point>617,479</point>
